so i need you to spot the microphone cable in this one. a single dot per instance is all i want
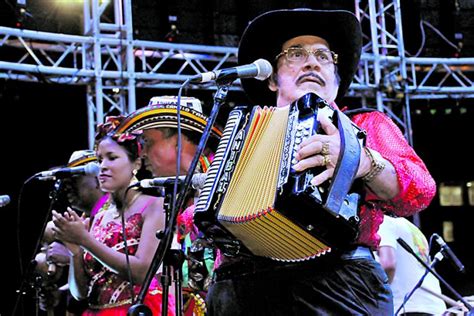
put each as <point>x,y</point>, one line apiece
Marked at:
<point>25,274</point>
<point>179,148</point>
<point>126,250</point>
<point>18,219</point>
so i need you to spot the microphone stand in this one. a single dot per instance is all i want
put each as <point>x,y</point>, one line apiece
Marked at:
<point>139,308</point>
<point>35,283</point>
<point>438,257</point>
<point>173,261</point>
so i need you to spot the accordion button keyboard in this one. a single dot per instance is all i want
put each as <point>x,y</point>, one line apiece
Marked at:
<point>303,131</point>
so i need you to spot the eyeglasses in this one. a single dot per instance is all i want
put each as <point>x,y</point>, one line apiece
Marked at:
<point>300,55</point>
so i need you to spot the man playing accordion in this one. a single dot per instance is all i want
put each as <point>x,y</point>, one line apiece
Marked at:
<point>318,52</point>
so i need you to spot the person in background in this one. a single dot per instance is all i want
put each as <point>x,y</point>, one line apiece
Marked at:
<point>109,263</point>
<point>318,51</point>
<point>82,193</point>
<point>404,271</point>
<point>158,122</point>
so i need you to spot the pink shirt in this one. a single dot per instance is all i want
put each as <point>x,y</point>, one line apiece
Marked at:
<point>417,187</point>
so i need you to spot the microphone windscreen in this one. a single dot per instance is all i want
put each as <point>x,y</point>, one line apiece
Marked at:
<point>4,200</point>
<point>198,180</point>
<point>92,169</point>
<point>265,69</point>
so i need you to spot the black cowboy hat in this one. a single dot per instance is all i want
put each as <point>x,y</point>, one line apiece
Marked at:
<point>265,35</point>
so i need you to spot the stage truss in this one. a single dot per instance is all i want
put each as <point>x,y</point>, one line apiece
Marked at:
<point>112,64</point>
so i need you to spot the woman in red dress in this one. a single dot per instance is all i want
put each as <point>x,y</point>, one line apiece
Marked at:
<point>108,268</point>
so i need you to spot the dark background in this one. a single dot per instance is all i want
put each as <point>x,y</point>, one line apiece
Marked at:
<point>42,123</point>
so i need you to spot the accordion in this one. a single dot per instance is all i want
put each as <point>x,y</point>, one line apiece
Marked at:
<point>252,191</point>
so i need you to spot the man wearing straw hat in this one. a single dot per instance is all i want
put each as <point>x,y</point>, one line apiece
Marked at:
<point>158,122</point>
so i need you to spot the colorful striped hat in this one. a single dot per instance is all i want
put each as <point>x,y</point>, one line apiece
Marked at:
<point>81,157</point>
<point>161,112</point>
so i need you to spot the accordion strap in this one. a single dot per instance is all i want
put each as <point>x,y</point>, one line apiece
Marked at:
<point>347,165</point>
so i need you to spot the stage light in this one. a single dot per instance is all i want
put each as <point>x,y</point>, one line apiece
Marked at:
<point>448,231</point>
<point>69,2</point>
<point>470,192</point>
<point>450,195</point>
<point>21,13</point>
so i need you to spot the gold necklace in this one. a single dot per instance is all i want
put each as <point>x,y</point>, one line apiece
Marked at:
<point>134,198</point>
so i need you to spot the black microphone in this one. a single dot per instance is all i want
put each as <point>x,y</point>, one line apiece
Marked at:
<point>4,200</point>
<point>446,250</point>
<point>91,169</point>
<point>197,181</point>
<point>260,69</point>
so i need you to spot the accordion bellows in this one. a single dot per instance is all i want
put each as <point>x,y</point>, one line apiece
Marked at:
<point>247,209</point>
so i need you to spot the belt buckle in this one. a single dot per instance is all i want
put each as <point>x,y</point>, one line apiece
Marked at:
<point>231,248</point>
<point>358,253</point>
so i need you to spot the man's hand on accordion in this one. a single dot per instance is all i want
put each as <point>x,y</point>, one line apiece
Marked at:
<point>320,150</point>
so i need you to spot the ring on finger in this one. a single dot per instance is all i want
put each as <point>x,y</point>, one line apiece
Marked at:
<point>325,149</point>
<point>326,160</point>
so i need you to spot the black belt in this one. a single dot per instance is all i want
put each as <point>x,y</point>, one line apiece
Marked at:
<point>257,265</point>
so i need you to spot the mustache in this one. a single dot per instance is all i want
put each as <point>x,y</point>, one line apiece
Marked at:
<point>313,75</point>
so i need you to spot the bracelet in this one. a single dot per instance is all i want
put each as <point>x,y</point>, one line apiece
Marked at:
<point>377,165</point>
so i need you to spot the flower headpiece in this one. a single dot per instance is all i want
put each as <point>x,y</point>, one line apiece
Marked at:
<point>109,128</point>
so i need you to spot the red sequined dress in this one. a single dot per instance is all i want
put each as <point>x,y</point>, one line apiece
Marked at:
<point>109,293</point>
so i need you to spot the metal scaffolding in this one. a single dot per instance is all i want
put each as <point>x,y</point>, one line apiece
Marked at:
<point>113,65</point>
